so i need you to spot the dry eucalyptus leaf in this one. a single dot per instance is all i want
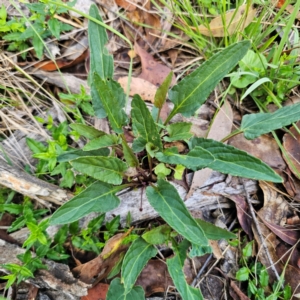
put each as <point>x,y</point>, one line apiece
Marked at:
<point>139,86</point>
<point>152,70</point>
<point>235,20</point>
<point>263,147</point>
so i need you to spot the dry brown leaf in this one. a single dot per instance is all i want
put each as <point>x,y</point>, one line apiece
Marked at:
<point>139,86</point>
<point>263,147</point>
<point>49,65</point>
<point>127,5</point>
<point>291,143</point>
<point>220,128</point>
<point>101,266</point>
<point>275,207</point>
<point>97,292</point>
<point>242,213</point>
<point>235,20</point>
<point>155,27</point>
<point>154,278</point>
<point>216,249</point>
<point>152,70</point>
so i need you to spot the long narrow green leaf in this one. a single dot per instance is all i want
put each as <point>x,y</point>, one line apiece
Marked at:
<point>112,97</point>
<point>143,124</point>
<point>135,260</point>
<point>101,61</point>
<point>194,89</point>
<point>87,131</point>
<point>219,157</point>
<point>116,291</point>
<point>176,271</point>
<point>254,125</point>
<point>71,155</point>
<point>98,197</point>
<point>104,141</point>
<point>107,169</point>
<point>165,199</point>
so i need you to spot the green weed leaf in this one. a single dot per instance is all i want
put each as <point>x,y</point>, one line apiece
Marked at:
<point>101,61</point>
<point>112,98</point>
<point>214,232</point>
<point>242,274</point>
<point>254,125</point>
<point>157,235</point>
<point>54,26</point>
<point>219,157</point>
<point>116,291</point>
<point>71,155</point>
<point>194,89</point>
<point>107,169</point>
<point>199,250</point>
<point>98,197</point>
<point>106,140</point>
<point>161,93</point>
<point>165,199</point>
<point>129,156</point>
<point>143,124</point>
<point>175,269</point>
<point>87,131</point>
<point>135,260</point>
<point>178,131</point>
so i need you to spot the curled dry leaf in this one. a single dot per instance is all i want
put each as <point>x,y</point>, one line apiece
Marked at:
<point>235,20</point>
<point>101,266</point>
<point>139,86</point>
<point>291,143</point>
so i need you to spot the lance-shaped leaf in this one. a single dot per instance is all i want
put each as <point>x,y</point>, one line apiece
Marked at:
<point>71,155</point>
<point>98,197</point>
<point>116,291</point>
<point>135,260</point>
<point>214,232</point>
<point>107,169</point>
<point>194,89</point>
<point>219,157</point>
<point>87,131</point>
<point>104,141</point>
<point>254,125</point>
<point>112,98</point>
<point>101,61</point>
<point>143,124</point>
<point>175,269</point>
<point>161,93</point>
<point>165,199</point>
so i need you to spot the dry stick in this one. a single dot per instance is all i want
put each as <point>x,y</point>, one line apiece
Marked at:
<point>262,240</point>
<point>208,260</point>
